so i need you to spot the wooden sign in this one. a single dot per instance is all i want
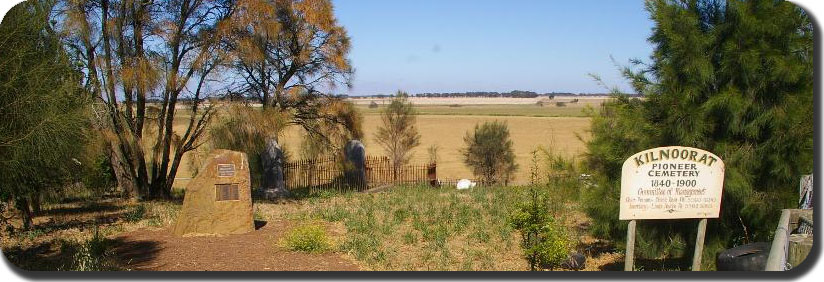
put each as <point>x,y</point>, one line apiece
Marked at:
<point>671,182</point>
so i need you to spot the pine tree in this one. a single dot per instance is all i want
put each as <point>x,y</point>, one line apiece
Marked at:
<point>43,110</point>
<point>732,77</point>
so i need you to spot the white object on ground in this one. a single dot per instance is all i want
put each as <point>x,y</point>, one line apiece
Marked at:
<point>465,184</point>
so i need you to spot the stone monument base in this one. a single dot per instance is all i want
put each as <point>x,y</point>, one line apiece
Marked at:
<point>219,200</point>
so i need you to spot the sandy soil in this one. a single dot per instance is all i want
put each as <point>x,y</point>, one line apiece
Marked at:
<point>254,251</point>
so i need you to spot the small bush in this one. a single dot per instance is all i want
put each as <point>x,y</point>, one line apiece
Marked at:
<point>543,241</point>
<point>135,214</point>
<point>560,104</point>
<point>373,105</point>
<point>246,129</point>
<point>489,153</point>
<point>92,255</point>
<point>310,238</point>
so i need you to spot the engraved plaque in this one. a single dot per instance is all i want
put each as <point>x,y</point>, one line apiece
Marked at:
<point>226,192</point>
<point>225,170</point>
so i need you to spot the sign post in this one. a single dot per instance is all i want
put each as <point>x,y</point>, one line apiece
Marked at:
<point>671,183</point>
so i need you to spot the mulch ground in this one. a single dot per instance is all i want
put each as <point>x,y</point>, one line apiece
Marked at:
<point>160,250</point>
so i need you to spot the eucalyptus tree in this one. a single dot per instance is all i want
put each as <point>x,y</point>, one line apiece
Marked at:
<point>142,59</point>
<point>287,54</point>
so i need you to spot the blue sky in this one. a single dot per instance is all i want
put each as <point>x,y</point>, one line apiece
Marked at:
<point>464,45</point>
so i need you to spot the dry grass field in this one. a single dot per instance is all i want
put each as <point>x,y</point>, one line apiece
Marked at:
<point>447,132</point>
<point>419,101</point>
<point>562,129</point>
<point>527,110</point>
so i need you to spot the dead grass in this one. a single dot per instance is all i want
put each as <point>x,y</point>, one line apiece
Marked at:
<point>447,132</point>
<point>530,126</point>
<point>61,228</point>
<point>527,110</point>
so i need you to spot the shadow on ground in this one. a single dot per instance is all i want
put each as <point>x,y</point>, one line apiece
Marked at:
<point>131,254</point>
<point>83,209</point>
<point>259,224</point>
<point>651,265</point>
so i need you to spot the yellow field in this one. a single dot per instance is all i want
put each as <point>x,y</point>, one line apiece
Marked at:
<point>447,132</point>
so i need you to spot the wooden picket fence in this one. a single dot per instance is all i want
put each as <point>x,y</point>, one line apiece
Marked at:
<point>329,173</point>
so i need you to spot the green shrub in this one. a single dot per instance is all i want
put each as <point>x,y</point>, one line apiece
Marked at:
<point>135,214</point>
<point>310,238</point>
<point>489,153</point>
<point>92,255</point>
<point>543,241</point>
<point>246,129</point>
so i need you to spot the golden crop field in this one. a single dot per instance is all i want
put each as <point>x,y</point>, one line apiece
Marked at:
<point>447,132</point>
<point>563,129</point>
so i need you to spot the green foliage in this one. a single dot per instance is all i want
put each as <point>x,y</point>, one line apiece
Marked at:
<point>398,134</point>
<point>420,228</point>
<point>310,238</point>
<point>544,242</point>
<point>135,214</point>
<point>336,123</point>
<point>247,129</point>
<point>734,78</point>
<point>489,153</point>
<point>94,254</point>
<point>43,110</point>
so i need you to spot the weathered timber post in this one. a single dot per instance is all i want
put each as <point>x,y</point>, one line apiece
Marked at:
<point>699,245</point>
<point>432,174</point>
<point>629,259</point>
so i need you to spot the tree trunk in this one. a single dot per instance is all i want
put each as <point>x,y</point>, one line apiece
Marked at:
<point>124,178</point>
<point>35,204</point>
<point>25,212</point>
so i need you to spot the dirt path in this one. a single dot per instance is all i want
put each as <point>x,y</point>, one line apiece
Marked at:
<point>254,251</point>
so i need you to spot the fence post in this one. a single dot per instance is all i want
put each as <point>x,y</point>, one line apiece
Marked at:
<point>432,174</point>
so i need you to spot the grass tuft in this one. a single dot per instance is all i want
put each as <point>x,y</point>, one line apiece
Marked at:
<point>309,238</point>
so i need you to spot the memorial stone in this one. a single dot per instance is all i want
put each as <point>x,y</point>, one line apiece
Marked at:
<point>218,201</point>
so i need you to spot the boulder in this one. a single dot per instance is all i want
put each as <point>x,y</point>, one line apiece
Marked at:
<point>219,200</point>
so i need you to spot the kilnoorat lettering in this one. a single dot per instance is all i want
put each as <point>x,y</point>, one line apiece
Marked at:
<point>665,154</point>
